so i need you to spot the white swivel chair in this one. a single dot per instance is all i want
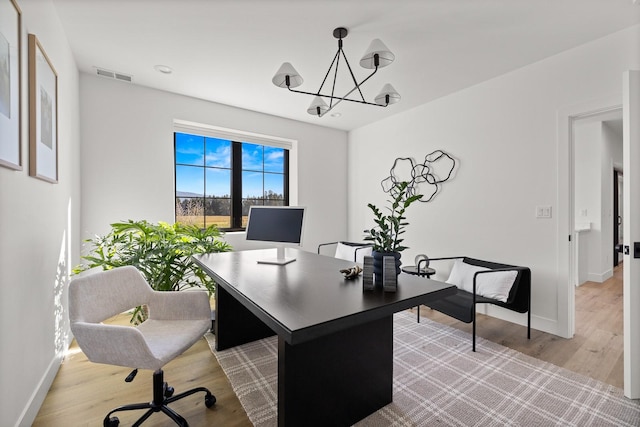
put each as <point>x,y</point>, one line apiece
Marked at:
<point>176,321</point>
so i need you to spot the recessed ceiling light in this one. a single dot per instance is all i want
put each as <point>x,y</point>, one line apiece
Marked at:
<point>163,69</point>
<point>336,115</point>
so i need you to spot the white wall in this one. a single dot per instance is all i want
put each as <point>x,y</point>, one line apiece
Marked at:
<point>40,239</point>
<point>588,198</point>
<point>504,134</point>
<point>127,157</point>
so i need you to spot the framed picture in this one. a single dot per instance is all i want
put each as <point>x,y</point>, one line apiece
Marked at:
<point>43,114</point>
<point>10,111</point>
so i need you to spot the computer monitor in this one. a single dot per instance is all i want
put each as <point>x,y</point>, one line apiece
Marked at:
<point>280,225</point>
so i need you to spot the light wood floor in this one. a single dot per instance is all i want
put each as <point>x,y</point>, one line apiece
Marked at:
<point>596,350</point>
<point>83,392</point>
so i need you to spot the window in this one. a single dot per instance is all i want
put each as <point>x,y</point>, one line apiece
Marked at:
<point>217,180</point>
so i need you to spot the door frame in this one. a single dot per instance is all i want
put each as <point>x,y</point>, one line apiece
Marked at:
<point>616,215</point>
<point>566,238</point>
<point>631,230</point>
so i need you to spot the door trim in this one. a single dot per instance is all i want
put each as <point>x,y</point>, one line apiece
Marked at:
<point>566,262</point>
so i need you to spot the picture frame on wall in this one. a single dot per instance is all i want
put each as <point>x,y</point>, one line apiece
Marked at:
<point>10,85</point>
<point>43,114</point>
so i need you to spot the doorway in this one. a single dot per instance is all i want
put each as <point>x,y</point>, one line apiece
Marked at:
<point>597,158</point>
<point>597,154</point>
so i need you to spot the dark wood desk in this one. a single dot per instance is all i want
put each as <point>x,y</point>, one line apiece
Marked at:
<point>335,342</point>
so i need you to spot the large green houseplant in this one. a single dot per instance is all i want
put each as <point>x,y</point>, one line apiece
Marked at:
<point>162,252</point>
<point>390,225</point>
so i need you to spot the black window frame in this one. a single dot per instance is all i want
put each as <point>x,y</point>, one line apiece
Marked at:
<point>236,205</point>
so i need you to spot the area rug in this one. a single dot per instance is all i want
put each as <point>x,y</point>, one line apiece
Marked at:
<point>438,380</point>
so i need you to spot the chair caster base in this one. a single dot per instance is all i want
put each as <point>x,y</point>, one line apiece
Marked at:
<point>209,400</point>
<point>163,395</point>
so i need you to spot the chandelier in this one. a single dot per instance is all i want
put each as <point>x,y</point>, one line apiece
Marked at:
<point>376,56</point>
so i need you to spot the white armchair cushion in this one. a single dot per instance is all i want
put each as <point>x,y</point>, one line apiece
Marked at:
<point>351,253</point>
<point>462,275</point>
<point>496,284</point>
<point>492,284</point>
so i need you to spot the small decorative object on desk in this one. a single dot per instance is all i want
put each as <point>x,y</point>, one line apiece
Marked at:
<point>351,273</point>
<point>421,261</point>
<point>367,273</point>
<point>389,275</point>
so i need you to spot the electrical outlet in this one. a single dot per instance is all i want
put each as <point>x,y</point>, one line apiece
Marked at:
<point>543,211</point>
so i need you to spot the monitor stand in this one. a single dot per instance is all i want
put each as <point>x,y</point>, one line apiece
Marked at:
<point>280,258</point>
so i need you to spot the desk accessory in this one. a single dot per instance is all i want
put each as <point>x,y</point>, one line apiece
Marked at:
<point>389,276</point>
<point>351,273</point>
<point>421,260</point>
<point>367,273</point>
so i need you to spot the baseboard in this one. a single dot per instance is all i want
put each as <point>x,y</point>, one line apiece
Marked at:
<point>600,277</point>
<point>30,411</point>
<point>538,323</point>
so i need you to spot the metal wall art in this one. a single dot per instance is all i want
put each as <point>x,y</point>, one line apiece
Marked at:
<point>425,173</point>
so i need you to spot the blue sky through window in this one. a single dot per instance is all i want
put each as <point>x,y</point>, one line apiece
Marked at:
<point>218,182</point>
<point>189,180</point>
<point>189,149</point>
<point>203,167</point>
<point>273,159</point>
<point>218,153</point>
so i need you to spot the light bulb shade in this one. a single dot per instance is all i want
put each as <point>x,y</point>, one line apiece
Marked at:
<point>318,107</point>
<point>286,69</point>
<point>390,92</point>
<point>385,56</point>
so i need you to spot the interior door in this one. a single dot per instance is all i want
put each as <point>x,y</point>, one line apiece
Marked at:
<point>631,230</point>
<point>617,218</point>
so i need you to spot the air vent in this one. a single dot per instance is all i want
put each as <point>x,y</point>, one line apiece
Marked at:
<point>123,77</point>
<point>104,73</point>
<point>113,75</point>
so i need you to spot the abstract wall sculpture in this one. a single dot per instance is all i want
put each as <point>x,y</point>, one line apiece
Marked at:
<point>436,169</point>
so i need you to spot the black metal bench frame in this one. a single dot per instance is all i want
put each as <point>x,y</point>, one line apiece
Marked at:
<point>356,245</point>
<point>462,306</point>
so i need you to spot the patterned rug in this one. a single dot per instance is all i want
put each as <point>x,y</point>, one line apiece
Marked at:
<point>438,380</point>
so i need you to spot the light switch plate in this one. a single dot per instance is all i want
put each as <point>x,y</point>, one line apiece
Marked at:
<point>543,211</point>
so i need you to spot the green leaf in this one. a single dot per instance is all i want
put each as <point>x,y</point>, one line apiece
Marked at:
<point>391,225</point>
<point>162,252</point>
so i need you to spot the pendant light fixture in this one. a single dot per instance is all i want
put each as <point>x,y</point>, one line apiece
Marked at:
<point>376,56</point>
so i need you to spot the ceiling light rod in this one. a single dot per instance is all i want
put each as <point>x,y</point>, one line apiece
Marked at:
<point>340,33</point>
<point>376,56</point>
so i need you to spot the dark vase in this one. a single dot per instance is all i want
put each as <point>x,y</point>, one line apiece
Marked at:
<point>377,264</point>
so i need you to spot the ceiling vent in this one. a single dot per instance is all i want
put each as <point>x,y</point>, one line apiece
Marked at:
<point>113,75</point>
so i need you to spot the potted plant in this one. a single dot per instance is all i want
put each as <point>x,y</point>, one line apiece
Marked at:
<point>162,252</point>
<point>386,235</point>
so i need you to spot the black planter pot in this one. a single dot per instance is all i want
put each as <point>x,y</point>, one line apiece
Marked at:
<point>377,264</point>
